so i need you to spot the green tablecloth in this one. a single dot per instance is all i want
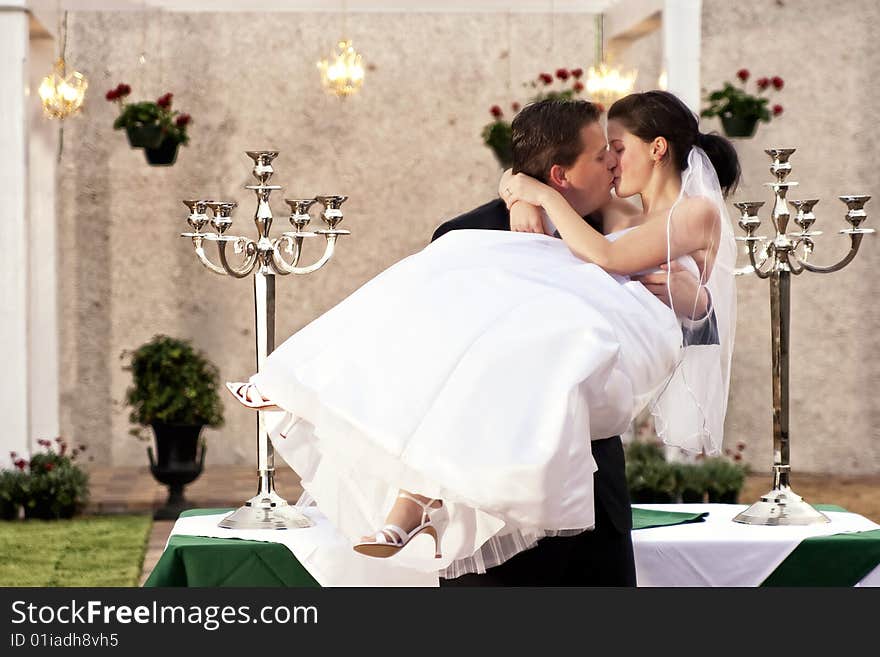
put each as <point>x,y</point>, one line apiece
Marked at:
<point>197,561</point>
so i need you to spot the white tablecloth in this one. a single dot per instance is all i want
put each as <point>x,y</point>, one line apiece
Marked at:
<point>720,552</point>
<point>324,552</point>
<point>716,552</point>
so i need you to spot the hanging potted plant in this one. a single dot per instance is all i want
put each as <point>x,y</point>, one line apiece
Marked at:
<point>739,110</point>
<point>174,134</point>
<point>497,134</point>
<point>151,125</point>
<point>174,391</point>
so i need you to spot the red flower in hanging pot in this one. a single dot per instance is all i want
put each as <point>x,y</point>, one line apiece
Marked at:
<point>562,74</point>
<point>777,110</point>
<point>763,83</point>
<point>123,90</point>
<point>578,86</point>
<point>496,111</point>
<point>743,74</point>
<point>49,467</point>
<point>546,78</point>
<point>778,82</point>
<point>576,73</point>
<point>164,101</point>
<point>111,95</point>
<point>515,106</point>
<point>183,120</point>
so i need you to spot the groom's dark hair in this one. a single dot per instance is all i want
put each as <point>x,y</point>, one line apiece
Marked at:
<point>548,132</point>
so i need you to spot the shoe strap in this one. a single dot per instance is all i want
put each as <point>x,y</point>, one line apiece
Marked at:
<point>391,529</point>
<point>426,506</point>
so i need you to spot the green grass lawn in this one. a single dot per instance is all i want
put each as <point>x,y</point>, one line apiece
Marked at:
<point>90,551</point>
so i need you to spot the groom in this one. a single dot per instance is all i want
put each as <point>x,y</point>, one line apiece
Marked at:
<point>563,144</point>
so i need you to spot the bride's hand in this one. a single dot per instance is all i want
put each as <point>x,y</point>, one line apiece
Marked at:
<point>521,187</point>
<point>503,185</point>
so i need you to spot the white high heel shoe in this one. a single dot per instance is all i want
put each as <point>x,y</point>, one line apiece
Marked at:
<point>391,539</point>
<point>248,395</point>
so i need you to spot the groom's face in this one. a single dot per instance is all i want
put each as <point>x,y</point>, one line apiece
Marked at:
<point>587,183</point>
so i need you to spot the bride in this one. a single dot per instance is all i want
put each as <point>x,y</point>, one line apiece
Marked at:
<point>461,387</point>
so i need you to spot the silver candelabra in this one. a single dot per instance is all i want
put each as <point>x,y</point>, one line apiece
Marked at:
<point>265,257</point>
<point>777,259</point>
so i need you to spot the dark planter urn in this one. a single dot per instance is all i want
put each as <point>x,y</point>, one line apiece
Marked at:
<point>735,126</point>
<point>176,463</point>
<point>144,136</point>
<point>164,155</point>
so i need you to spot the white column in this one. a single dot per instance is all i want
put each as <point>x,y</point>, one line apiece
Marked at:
<point>43,327</point>
<point>14,382</point>
<point>681,49</point>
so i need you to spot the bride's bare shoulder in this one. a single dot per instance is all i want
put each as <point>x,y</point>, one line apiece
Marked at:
<point>698,212</point>
<point>619,213</point>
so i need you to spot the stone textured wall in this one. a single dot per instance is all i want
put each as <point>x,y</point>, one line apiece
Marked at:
<point>407,151</point>
<point>824,52</point>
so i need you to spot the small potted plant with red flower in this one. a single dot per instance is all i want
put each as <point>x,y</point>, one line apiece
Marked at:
<point>497,135</point>
<point>50,484</point>
<point>740,110</point>
<point>151,125</point>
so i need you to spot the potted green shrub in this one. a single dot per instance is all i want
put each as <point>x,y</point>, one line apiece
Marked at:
<point>648,476</point>
<point>724,479</point>
<point>174,391</point>
<point>10,493</point>
<point>50,485</point>
<point>690,482</point>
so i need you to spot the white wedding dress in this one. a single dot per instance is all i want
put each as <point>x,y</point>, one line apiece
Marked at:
<point>475,371</point>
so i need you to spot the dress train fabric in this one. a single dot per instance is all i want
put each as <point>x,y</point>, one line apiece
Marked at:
<point>475,371</point>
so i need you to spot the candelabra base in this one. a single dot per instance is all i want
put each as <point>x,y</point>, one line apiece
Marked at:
<point>781,506</point>
<point>266,512</point>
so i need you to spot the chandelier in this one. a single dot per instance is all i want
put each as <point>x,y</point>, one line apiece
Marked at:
<point>606,84</point>
<point>343,73</point>
<point>62,93</point>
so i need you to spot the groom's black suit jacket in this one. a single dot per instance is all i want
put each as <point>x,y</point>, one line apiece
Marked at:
<point>600,557</point>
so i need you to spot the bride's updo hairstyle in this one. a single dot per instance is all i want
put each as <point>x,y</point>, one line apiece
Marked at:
<point>653,114</point>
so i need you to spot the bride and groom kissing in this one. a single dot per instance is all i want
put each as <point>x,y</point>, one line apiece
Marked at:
<point>478,388</point>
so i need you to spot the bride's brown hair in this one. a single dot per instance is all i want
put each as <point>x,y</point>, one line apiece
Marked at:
<point>653,114</point>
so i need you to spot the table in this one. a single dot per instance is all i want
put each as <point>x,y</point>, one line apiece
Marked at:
<point>674,544</point>
<point>720,552</point>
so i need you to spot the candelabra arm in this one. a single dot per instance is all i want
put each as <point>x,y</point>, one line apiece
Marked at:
<point>203,257</point>
<point>280,265</point>
<point>328,253</point>
<point>856,242</point>
<point>246,267</point>
<point>755,265</point>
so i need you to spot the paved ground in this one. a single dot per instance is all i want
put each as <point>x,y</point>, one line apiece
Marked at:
<point>133,490</point>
